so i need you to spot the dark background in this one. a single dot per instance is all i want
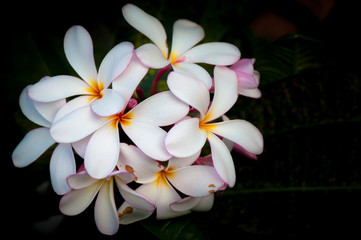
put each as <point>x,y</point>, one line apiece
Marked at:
<point>306,183</point>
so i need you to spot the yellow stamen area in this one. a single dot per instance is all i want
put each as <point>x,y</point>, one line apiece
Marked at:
<point>123,119</point>
<point>208,127</point>
<point>95,89</point>
<point>162,176</point>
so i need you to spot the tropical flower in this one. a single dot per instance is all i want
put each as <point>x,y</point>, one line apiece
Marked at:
<point>141,124</point>
<point>37,141</point>
<point>84,189</point>
<point>189,135</point>
<point>159,182</point>
<point>248,78</point>
<point>78,49</point>
<point>184,54</point>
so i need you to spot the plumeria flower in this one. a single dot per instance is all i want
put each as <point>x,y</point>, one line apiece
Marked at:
<point>37,141</point>
<point>197,204</point>
<point>159,182</point>
<point>248,78</point>
<point>84,189</point>
<point>78,47</point>
<point>184,54</point>
<point>141,124</point>
<point>189,135</point>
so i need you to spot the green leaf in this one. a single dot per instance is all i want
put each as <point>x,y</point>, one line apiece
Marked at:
<point>287,57</point>
<point>174,229</point>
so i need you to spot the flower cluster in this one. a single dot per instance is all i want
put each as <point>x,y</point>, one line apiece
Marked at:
<point>123,137</point>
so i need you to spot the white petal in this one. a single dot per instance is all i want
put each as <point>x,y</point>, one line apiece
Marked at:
<point>149,138</point>
<point>225,92</point>
<point>190,90</point>
<point>114,63</point>
<point>78,47</point>
<point>102,152</point>
<point>185,204</point>
<point>56,88</point>
<point>161,109</point>
<point>135,199</point>
<point>151,56</point>
<point>195,181</point>
<point>205,204</point>
<point>62,164</point>
<point>76,201</point>
<point>49,109</point>
<point>127,82</point>
<point>185,138</point>
<point>215,53</point>
<point>72,105</point>
<point>186,34</point>
<point>76,125</point>
<point>80,180</point>
<point>111,102</point>
<point>133,160</point>
<point>35,143</point>
<point>222,160</point>
<point>241,132</point>
<point>176,163</point>
<point>105,212</point>
<point>148,25</point>
<point>28,108</point>
<point>253,93</point>
<point>195,71</point>
<point>80,146</point>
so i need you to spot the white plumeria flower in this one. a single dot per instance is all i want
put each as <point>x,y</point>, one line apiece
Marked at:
<point>37,141</point>
<point>78,47</point>
<point>141,124</point>
<point>189,135</point>
<point>197,204</point>
<point>159,182</point>
<point>184,53</point>
<point>84,189</point>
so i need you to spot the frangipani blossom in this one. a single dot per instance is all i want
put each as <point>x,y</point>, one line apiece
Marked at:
<point>84,189</point>
<point>159,182</point>
<point>78,47</point>
<point>248,78</point>
<point>37,141</point>
<point>141,124</point>
<point>189,135</point>
<point>184,54</point>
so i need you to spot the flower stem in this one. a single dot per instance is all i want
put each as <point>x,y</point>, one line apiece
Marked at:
<point>161,72</point>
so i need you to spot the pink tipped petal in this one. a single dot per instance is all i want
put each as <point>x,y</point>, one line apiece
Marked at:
<point>190,90</point>
<point>56,88</point>
<point>35,143</point>
<point>76,125</point>
<point>78,47</point>
<point>151,56</point>
<point>186,34</point>
<point>241,132</point>
<point>111,102</point>
<point>76,201</point>
<point>225,92</point>
<point>222,160</point>
<point>62,164</point>
<point>114,63</point>
<point>28,108</point>
<point>105,212</point>
<point>148,25</point>
<point>127,82</point>
<point>195,181</point>
<point>102,152</point>
<point>135,199</point>
<point>244,65</point>
<point>161,109</point>
<point>133,160</point>
<point>215,53</point>
<point>246,81</point>
<point>149,138</point>
<point>195,71</point>
<point>80,180</point>
<point>185,138</point>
